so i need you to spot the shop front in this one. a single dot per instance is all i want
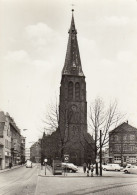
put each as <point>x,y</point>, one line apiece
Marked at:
<point>7,159</point>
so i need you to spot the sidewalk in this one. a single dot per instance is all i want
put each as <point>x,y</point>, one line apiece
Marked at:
<point>45,173</point>
<point>49,173</point>
<point>8,169</point>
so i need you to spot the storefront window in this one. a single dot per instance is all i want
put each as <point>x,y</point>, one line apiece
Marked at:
<point>132,159</point>
<point>117,159</point>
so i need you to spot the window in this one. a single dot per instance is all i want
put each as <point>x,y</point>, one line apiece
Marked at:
<point>131,147</point>
<point>116,138</point>
<point>70,90</point>
<point>132,159</point>
<point>77,91</point>
<point>117,147</point>
<point>125,137</point>
<point>124,147</point>
<point>117,159</point>
<point>132,137</point>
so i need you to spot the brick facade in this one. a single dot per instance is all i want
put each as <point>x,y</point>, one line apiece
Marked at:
<point>123,145</point>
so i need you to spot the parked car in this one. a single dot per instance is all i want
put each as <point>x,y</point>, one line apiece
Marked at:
<point>28,164</point>
<point>111,167</point>
<point>69,167</point>
<point>130,169</point>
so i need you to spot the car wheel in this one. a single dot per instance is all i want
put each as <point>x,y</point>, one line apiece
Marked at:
<point>105,169</point>
<point>73,171</point>
<point>126,171</point>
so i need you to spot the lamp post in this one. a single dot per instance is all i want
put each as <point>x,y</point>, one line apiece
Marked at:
<point>100,152</point>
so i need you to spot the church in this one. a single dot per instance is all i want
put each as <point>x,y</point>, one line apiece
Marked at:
<point>71,134</point>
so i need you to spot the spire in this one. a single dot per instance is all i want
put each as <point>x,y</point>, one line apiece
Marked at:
<point>72,64</point>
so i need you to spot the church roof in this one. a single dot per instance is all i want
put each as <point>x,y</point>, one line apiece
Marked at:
<point>72,64</point>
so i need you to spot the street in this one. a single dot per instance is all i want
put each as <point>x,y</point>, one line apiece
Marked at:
<point>20,181</point>
<point>27,181</point>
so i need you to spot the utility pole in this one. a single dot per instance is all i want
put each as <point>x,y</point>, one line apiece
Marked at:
<point>96,151</point>
<point>100,153</point>
<point>41,144</point>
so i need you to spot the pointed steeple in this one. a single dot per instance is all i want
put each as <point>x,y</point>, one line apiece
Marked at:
<point>72,64</point>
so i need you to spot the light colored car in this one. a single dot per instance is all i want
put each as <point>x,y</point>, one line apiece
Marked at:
<point>69,167</point>
<point>28,164</point>
<point>130,169</point>
<point>111,167</point>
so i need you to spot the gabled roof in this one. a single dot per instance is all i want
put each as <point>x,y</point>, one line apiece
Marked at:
<point>124,127</point>
<point>72,64</point>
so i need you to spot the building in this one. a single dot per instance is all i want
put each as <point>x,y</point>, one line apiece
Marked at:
<point>35,152</point>
<point>51,147</point>
<point>15,141</point>
<point>5,141</point>
<point>23,143</point>
<point>11,148</point>
<point>105,156</point>
<point>73,103</point>
<point>71,136</point>
<point>123,145</point>
<point>27,154</point>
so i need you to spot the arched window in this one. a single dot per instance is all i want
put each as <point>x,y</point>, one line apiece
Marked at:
<point>70,90</point>
<point>77,91</point>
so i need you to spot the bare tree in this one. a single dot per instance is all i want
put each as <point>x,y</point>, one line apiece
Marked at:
<point>104,119</point>
<point>53,123</point>
<point>51,120</point>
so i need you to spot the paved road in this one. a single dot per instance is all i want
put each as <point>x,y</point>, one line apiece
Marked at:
<point>116,183</point>
<point>20,181</point>
<point>27,181</point>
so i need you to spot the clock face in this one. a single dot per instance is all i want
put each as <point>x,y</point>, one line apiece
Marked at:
<point>74,108</point>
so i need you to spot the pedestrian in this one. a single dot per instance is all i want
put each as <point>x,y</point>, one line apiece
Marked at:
<point>88,166</point>
<point>92,169</point>
<point>87,172</point>
<point>84,167</point>
<point>10,165</point>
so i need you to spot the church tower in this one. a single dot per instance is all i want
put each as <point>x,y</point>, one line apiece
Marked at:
<point>73,104</point>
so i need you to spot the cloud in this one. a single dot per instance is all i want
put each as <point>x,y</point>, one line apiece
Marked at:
<point>17,55</point>
<point>40,34</point>
<point>126,56</point>
<point>115,20</point>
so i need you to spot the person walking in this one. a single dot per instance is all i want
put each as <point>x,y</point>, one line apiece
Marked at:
<point>88,169</point>
<point>84,167</point>
<point>92,169</point>
<point>10,165</point>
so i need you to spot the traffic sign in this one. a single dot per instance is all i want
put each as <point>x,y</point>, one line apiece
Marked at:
<point>66,157</point>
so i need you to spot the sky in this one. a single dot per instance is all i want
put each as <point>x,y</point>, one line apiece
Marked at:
<point>33,43</point>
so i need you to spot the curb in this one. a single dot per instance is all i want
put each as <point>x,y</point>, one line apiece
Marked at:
<point>15,167</point>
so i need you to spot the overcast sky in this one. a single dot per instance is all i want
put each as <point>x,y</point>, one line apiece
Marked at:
<point>33,43</point>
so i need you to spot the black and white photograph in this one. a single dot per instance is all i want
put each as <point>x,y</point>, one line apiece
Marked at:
<point>68,97</point>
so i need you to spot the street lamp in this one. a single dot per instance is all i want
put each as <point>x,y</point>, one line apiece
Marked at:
<point>100,152</point>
